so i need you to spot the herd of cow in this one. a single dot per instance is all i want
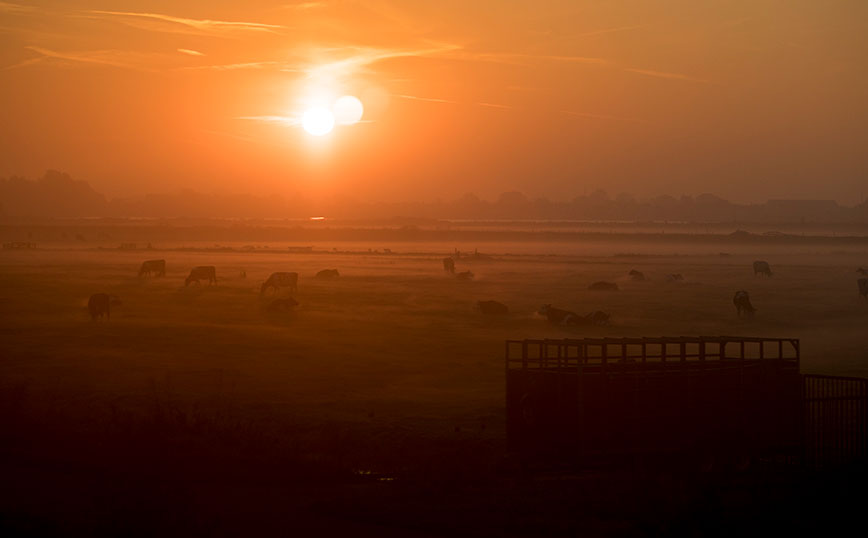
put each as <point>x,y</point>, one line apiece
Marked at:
<point>741,299</point>
<point>100,304</point>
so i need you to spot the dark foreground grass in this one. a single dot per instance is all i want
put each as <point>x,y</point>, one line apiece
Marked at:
<point>376,408</point>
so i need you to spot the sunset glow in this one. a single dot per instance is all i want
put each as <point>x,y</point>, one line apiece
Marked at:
<point>737,101</point>
<point>433,268</point>
<point>348,110</point>
<point>318,121</point>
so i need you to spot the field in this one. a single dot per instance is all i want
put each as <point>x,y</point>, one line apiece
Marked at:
<point>384,388</point>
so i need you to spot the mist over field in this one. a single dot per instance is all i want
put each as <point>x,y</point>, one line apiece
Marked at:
<point>382,388</point>
<point>56,194</point>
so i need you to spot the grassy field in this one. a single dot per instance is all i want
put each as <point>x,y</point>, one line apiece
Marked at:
<point>385,381</point>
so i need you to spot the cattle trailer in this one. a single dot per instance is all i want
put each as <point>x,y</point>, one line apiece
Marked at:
<point>725,396</point>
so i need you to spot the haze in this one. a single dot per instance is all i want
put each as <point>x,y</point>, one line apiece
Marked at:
<point>749,100</point>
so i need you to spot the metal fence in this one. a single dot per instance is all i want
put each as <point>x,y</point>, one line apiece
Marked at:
<point>836,420</point>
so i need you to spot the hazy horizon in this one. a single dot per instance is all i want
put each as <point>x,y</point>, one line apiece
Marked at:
<point>749,100</point>
<point>57,194</point>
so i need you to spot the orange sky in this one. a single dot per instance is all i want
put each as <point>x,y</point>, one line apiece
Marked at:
<point>749,99</point>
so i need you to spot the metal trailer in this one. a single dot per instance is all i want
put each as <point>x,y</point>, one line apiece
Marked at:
<point>723,396</point>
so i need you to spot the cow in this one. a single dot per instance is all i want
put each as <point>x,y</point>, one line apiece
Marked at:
<point>464,275</point>
<point>327,274</point>
<point>282,305</point>
<point>741,300</point>
<point>155,267</point>
<point>862,271</point>
<point>638,276</point>
<point>675,277</point>
<point>603,286</point>
<point>556,316</point>
<point>762,268</point>
<point>863,287</point>
<point>100,304</point>
<point>492,308</point>
<point>202,272</point>
<point>280,280</point>
<point>449,265</point>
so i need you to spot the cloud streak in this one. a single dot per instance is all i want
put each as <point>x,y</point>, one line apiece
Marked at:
<point>15,8</point>
<point>611,30</point>
<point>170,24</point>
<point>447,101</point>
<point>284,120</point>
<point>232,67</point>
<point>525,59</point>
<point>190,52</point>
<point>663,74</point>
<point>110,58</point>
<point>367,56</point>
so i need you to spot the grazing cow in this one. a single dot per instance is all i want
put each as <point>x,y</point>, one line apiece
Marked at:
<point>675,277</point>
<point>449,265</point>
<point>762,268</point>
<point>280,280</point>
<point>863,287</point>
<point>327,274</point>
<point>556,316</point>
<point>603,286</point>
<point>492,308</point>
<point>155,267</point>
<point>100,304</point>
<point>598,317</point>
<point>203,272</point>
<point>638,276</point>
<point>741,300</point>
<point>282,305</point>
<point>464,275</point>
<point>862,271</point>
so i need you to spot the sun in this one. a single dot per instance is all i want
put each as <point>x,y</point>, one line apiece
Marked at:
<point>348,110</point>
<point>318,121</point>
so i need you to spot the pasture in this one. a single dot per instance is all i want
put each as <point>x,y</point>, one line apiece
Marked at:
<point>383,375</point>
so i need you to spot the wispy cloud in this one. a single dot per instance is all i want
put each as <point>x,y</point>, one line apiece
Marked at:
<point>15,8</point>
<point>604,31</point>
<point>664,74</point>
<point>429,99</point>
<point>305,5</point>
<point>365,56</point>
<point>168,23</point>
<point>493,105</point>
<point>529,59</point>
<point>190,52</point>
<point>111,58</point>
<point>233,67</point>
<point>285,120</point>
<point>525,59</point>
<point>448,101</point>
